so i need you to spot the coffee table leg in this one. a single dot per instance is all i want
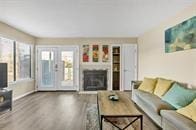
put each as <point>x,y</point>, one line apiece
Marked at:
<point>141,122</point>
<point>101,125</point>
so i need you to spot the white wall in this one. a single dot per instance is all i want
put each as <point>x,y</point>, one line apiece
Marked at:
<point>79,41</point>
<point>154,62</point>
<point>26,86</point>
<point>90,41</point>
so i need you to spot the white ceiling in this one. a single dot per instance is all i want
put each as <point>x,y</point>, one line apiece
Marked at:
<point>88,18</point>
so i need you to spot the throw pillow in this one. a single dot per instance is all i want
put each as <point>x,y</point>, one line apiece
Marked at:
<point>163,85</point>
<point>189,111</point>
<point>179,96</point>
<point>148,85</point>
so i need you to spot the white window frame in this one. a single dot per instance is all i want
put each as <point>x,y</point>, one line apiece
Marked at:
<point>32,57</point>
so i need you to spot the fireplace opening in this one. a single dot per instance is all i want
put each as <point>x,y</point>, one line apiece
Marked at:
<point>95,80</point>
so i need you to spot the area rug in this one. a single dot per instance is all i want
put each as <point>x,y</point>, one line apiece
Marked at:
<point>92,121</point>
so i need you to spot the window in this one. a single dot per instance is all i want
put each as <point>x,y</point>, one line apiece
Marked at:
<point>7,56</point>
<point>23,61</point>
<point>18,57</point>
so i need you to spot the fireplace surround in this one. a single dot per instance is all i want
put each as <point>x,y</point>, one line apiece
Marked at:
<point>95,80</point>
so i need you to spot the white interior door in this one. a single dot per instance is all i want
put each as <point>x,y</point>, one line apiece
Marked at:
<point>129,59</point>
<point>58,68</point>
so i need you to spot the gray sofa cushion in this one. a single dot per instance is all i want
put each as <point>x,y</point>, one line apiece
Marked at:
<point>153,101</point>
<point>180,121</point>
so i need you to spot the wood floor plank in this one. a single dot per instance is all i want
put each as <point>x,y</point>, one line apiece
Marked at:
<point>49,111</point>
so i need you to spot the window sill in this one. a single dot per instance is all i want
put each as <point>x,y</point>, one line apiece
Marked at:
<point>20,81</point>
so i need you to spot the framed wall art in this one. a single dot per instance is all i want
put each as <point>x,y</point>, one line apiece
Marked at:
<point>181,37</point>
<point>105,53</point>
<point>95,53</point>
<point>85,54</point>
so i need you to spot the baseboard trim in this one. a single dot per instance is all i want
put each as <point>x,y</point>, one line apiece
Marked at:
<point>87,92</point>
<point>21,96</point>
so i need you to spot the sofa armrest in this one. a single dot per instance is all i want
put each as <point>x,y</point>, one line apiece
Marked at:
<point>173,120</point>
<point>135,84</point>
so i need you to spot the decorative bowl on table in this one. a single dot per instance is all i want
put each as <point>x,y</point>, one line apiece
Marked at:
<point>113,97</point>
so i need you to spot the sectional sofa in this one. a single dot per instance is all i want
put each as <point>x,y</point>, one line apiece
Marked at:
<point>162,113</point>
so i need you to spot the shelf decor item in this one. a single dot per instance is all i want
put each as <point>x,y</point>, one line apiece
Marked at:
<point>95,53</point>
<point>116,51</point>
<point>105,53</point>
<point>85,55</point>
<point>181,37</point>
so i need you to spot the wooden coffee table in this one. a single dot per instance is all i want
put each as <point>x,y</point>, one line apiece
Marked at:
<point>123,108</point>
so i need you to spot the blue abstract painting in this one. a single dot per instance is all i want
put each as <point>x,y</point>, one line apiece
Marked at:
<point>181,37</point>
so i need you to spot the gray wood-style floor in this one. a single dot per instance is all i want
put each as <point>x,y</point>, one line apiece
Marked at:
<point>51,111</point>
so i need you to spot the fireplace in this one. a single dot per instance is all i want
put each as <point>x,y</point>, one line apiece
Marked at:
<point>95,80</point>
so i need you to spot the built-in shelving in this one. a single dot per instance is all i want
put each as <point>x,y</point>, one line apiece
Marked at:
<point>116,67</point>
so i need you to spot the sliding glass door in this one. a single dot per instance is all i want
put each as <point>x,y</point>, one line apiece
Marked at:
<point>58,68</point>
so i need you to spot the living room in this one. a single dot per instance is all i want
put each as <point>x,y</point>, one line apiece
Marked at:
<point>74,65</point>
